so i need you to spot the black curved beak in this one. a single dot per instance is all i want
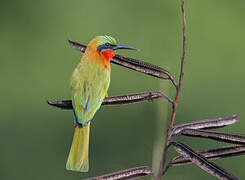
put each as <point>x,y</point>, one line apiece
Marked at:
<point>120,46</point>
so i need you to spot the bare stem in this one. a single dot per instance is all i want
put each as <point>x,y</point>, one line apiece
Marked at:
<point>175,104</point>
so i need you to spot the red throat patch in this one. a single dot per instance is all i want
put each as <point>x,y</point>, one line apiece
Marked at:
<point>108,54</point>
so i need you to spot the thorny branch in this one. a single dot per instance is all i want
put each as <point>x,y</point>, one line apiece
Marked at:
<point>175,104</point>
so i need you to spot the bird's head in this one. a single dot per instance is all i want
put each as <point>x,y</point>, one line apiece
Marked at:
<point>107,45</point>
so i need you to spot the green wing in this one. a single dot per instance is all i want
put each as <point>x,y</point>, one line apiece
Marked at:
<point>89,85</point>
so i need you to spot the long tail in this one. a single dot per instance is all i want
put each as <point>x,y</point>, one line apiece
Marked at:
<point>78,156</point>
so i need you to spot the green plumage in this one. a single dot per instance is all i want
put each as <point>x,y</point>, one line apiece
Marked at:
<point>89,85</point>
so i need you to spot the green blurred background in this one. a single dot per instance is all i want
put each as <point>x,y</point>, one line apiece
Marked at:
<point>37,62</point>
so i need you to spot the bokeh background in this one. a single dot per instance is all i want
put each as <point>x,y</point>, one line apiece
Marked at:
<point>36,63</point>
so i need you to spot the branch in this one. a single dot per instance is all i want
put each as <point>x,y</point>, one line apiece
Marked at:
<point>175,104</point>
<point>202,162</point>
<point>133,64</point>
<point>63,104</point>
<point>116,100</point>
<point>133,173</point>
<point>206,124</point>
<point>218,136</point>
<point>212,154</point>
<point>143,67</point>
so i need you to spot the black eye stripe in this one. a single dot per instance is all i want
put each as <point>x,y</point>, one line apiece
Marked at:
<point>106,45</point>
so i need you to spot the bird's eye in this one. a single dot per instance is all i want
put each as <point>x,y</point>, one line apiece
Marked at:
<point>107,44</point>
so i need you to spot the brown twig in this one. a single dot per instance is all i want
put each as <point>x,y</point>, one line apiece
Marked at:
<point>218,136</point>
<point>116,100</point>
<point>133,173</point>
<point>175,104</point>
<point>202,162</point>
<point>212,154</point>
<point>206,124</point>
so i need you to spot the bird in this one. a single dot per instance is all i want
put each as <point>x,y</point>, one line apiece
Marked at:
<point>89,84</point>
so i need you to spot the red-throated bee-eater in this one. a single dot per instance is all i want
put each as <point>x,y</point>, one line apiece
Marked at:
<point>89,84</point>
